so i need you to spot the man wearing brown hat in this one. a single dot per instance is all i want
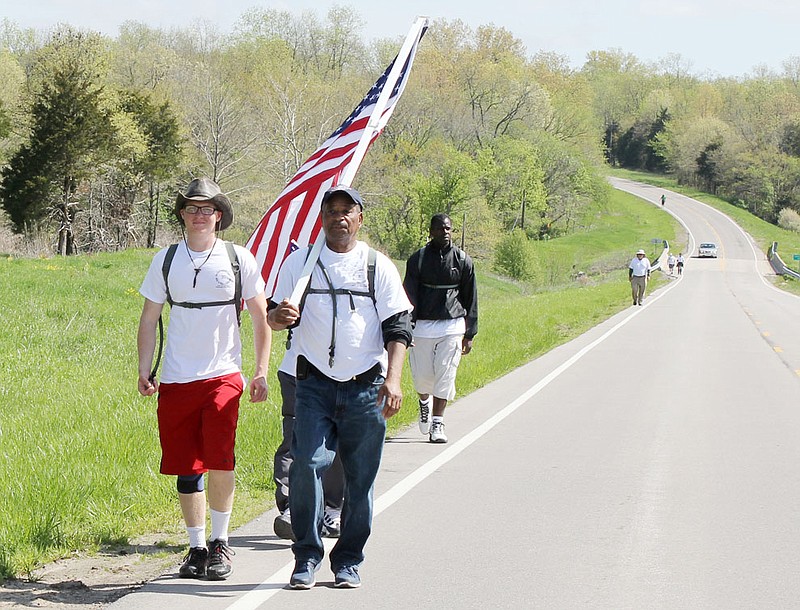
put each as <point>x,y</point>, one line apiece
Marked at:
<point>204,279</point>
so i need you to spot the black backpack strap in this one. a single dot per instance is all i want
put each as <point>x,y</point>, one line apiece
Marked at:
<point>165,272</point>
<point>237,289</point>
<point>421,252</point>
<point>372,257</point>
<point>237,277</point>
<point>165,268</point>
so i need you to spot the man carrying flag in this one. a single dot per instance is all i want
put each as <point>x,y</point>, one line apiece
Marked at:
<point>292,222</point>
<point>350,339</point>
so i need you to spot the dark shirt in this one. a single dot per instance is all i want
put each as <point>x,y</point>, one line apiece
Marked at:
<point>444,288</point>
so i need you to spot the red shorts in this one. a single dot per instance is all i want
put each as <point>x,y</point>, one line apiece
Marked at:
<point>197,424</point>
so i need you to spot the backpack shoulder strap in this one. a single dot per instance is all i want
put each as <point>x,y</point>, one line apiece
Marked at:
<point>165,268</point>
<point>371,258</point>
<point>461,257</point>
<point>421,252</point>
<point>237,278</point>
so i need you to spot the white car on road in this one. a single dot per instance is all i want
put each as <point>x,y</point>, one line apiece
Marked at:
<point>707,249</point>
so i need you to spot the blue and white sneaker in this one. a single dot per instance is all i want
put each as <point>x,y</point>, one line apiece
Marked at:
<point>347,578</point>
<point>304,575</point>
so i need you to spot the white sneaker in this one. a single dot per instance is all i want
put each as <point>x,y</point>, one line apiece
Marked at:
<point>424,417</point>
<point>437,432</point>
<point>331,522</point>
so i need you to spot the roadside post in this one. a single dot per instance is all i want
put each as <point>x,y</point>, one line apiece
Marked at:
<point>654,241</point>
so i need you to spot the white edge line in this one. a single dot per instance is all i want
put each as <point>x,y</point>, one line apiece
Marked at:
<point>269,587</point>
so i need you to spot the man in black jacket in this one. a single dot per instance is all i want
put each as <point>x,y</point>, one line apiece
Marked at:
<point>440,283</point>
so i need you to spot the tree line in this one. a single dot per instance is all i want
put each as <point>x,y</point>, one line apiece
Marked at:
<point>97,132</point>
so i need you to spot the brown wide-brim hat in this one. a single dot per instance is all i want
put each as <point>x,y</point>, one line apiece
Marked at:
<point>204,189</point>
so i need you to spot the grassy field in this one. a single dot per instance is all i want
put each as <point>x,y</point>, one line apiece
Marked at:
<point>79,447</point>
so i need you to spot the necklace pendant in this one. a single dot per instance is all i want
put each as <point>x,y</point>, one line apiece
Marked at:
<point>194,281</point>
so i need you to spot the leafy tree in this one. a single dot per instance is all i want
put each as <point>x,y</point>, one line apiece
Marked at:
<point>70,132</point>
<point>637,149</point>
<point>789,219</point>
<point>790,142</point>
<point>142,58</point>
<point>13,120</point>
<point>147,153</point>
<point>749,187</point>
<point>685,140</point>
<point>512,179</point>
<point>514,256</point>
<point>620,84</point>
<point>707,170</point>
<point>5,122</point>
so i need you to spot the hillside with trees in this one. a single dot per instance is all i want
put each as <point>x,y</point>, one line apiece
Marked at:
<point>97,133</point>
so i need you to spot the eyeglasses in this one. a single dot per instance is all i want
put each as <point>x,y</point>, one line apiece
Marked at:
<point>205,210</point>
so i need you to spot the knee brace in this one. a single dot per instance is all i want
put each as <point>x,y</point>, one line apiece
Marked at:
<point>189,484</point>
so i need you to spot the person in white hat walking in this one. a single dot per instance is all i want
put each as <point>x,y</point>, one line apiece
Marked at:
<point>638,274</point>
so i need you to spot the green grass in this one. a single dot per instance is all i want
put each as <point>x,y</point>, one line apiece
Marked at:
<point>611,234</point>
<point>79,445</point>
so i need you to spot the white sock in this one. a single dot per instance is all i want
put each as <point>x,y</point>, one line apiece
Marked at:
<point>219,525</point>
<point>197,536</point>
<point>427,402</point>
<point>439,418</point>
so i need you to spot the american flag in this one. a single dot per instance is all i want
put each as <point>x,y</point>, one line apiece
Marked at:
<point>293,220</point>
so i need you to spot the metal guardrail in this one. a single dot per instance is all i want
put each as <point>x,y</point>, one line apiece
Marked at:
<point>777,263</point>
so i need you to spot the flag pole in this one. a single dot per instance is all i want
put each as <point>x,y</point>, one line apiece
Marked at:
<point>361,148</point>
<point>383,99</point>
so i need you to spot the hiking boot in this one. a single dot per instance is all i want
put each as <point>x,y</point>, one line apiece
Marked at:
<point>347,578</point>
<point>304,574</point>
<point>437,432</point>
<point>283,526</point>
<point>194,564</point>
<point>424,417</point>
<point>219,560</point>
<point>331,522</point>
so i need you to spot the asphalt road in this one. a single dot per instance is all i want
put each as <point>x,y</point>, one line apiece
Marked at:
<point>653,462</point>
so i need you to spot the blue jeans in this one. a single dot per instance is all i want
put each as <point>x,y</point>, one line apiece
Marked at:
<point>332,480</point>
<point>335,417</point>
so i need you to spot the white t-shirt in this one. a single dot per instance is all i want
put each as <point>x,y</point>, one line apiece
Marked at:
<point>433,329</point>
<point>288,364</point>
<point>359,338</point>
<point>640,266</point>
<point>201,343</point>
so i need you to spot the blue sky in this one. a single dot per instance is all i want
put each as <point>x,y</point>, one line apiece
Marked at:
<point>715,37</point>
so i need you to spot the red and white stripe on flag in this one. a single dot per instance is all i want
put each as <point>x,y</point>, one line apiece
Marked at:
<point>292,221</point>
